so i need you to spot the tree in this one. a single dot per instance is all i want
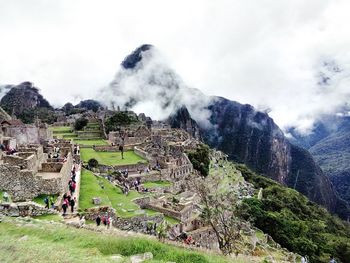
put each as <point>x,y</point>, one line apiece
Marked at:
<point>119,119</point>
<point>80,123</point>
<point>219,210</point>
<point>93,163</point>
<point>200,159</point>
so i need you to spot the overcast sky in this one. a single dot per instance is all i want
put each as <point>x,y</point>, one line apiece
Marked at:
<point>268,53</point>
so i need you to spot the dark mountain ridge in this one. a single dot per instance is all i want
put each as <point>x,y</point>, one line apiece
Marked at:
<point>247,136</point>
<point>26,103</point>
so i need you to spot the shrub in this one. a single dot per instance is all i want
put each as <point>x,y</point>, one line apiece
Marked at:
<point>80,123</point>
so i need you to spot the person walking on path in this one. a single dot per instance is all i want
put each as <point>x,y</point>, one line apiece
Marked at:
<point>110,219</point>
<point>104,220</point>
<point>52,202</point>
<point>6,197</point>
<point>72,204</point>
<point>46,201</point>
<point>98,220</point>
<point>108,222</point>
<point>65,206</point>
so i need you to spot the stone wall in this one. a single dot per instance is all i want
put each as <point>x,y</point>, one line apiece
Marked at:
<point>24,209</point>
<point>131,167</point>
<point>205,237</point>
<point>25,134</point>
<point>136,223</point>
<point>26,161</point>
<point>142,153</point>
<point>26,184</point>
<point>52,167</point>
<point>109,148</point>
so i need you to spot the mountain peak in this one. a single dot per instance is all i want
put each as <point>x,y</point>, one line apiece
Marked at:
<point>131,60</point>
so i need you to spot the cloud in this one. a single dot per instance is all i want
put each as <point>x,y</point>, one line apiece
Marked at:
<point>152,87</point>
<point>268,53</point>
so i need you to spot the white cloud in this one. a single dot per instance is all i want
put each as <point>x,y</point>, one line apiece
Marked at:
<point>264,52</point>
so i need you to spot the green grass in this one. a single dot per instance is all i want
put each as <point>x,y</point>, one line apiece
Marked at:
<point>110,195</point>
<point>89,188</point>
<point>53,217</point>
<point>61,129</point>
<point>96,142</point>
<point>40,199</point>
<point>58,243</point>
<point>111,158</point>
<point>156,184</point>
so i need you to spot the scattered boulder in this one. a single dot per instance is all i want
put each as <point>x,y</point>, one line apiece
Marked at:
<point>141,257</point>
<point>96,200</point>
<point>23,238</point>
<point>117,258</point>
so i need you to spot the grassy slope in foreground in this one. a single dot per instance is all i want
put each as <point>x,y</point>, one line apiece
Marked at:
<point>109,194</point>
<point>53,242</point>
<point>110,158</point>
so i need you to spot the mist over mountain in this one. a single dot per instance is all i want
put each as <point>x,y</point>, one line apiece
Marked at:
<point>329,144</point>
<point>149,85</point>
<point>145,83</point>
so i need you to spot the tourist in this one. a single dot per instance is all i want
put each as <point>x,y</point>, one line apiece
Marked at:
<point>46,201</point>
<point>65,206</point>
<point>98,220</point>
<point>6,197</point>
<point>104,220</point>
<point>108,222</point>
<point>72,204</point>
<point>73,187</point>
<point>121,149</point>
<point>52,202</point>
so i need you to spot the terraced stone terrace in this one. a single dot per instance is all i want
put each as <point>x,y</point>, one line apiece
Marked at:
<point>66,132</point>
<point>111,158</point>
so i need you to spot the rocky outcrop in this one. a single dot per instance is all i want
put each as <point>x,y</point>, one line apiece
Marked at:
<point>181,119</point>
<point>23,96</point>
<point>25,102</point>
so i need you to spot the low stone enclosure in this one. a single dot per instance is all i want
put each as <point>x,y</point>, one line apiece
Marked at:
<point>26,174</point>
<point>180,211</point>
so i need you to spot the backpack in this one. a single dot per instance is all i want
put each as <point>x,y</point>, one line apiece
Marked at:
<point>46,200</point>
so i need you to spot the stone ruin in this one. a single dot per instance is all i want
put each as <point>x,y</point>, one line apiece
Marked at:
<point>28,173</point>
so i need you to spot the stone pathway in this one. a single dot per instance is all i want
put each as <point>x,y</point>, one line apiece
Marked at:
<point>72,217</point>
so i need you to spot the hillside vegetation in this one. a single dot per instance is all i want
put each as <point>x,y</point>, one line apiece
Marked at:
<point>295,222</point>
